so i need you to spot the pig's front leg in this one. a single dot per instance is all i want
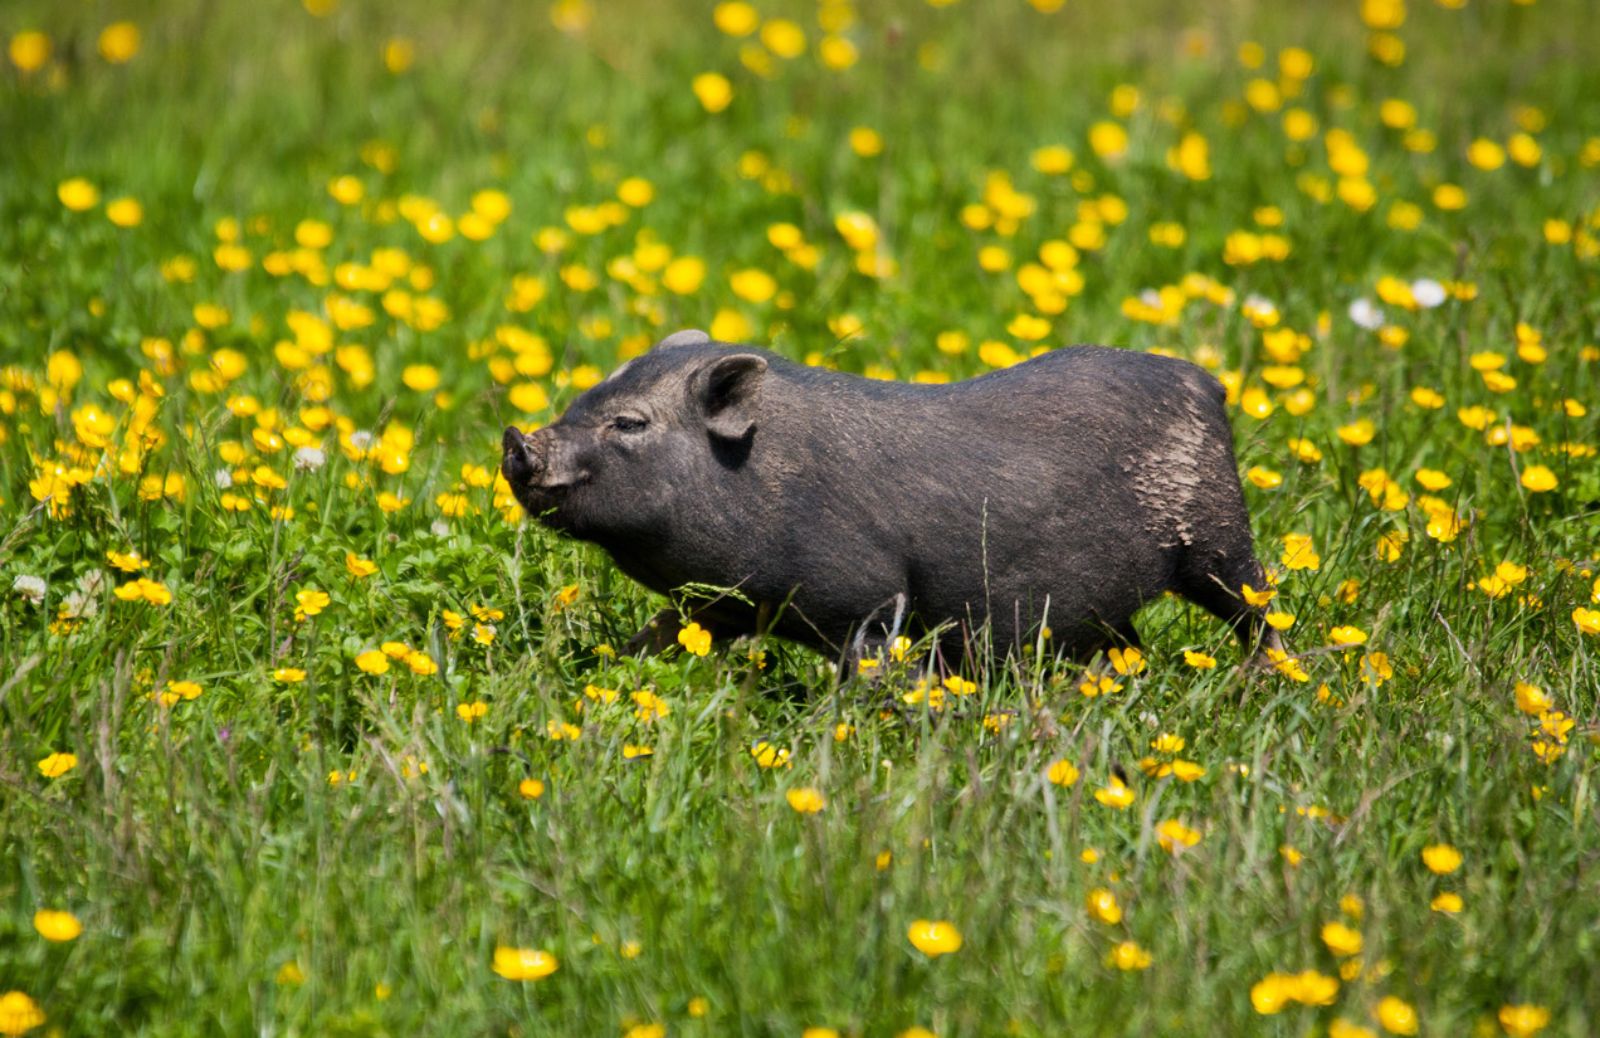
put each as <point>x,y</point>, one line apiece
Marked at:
<point>660,632</point>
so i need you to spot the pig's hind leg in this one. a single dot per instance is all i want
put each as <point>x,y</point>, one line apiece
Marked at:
<point>874,635</point>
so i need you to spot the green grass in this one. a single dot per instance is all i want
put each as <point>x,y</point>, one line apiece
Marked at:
<point>227,885</point>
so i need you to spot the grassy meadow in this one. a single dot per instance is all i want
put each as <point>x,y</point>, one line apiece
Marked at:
<point>305,730</point>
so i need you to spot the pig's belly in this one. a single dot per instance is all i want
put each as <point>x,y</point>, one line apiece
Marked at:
<point>1081,610</point>
<point>1076,568</point>
<point>1081,561</point>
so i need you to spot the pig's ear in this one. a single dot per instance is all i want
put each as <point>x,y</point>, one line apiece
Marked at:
<point>728,390</point>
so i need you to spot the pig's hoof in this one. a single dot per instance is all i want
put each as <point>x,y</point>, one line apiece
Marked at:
<point>658,634</point>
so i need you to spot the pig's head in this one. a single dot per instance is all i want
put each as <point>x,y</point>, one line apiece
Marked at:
<point>632,455</point>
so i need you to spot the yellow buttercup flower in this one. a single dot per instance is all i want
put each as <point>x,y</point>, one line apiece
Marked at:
<point>1276,990</point>
<point>359,567</point>
<point>736,18</point>
<point>1129,956</point>
<point>769,756</point>
<point>119,42</point>
<point>1358,433</point>
<point>784,38</point>
<point>1126,660</point>
<point>78,194</point>
<point>1449,197</point>
<point>523,963</point>
<point>1102,905</point>
<point>866,142</point>
<point>56,926</point>
<point>806,800</point>
<point>1061,773</point>
<point>1539,479</point>
<point>1115,794</point>
<point>713,90</point>
<point>57,764</point>
<point>636,192</point>
<point>1258,598</point>
<point>1523,1021</point>
<point>125,212</point>
<point>684,275</point>
<point>424,378</point>
<point>176,691</point>
<point>695,639</point>
<point>1281,661</point>
<point>1486,154</point>
<point>347,190</point>
<point>934,938</point>
<point>752,285</point>
<point>858,229</point>
<point>1173,836</point>
<point>30,50</point>
<point>1299,553</point>
<point>1441,858</point>
<point>19,1014</point>
<point>1347,635</point>
<point>143,589</point>
<point>1108,140</point>
<point>1053,160</point>
<point>1342,940</point>
<point>1397,1016</point>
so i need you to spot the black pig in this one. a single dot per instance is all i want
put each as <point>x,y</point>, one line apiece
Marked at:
<point>1065,492</point>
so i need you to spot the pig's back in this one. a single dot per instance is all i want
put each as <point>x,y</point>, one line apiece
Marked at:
<point>1092,385</point>
<point>1079,423</point>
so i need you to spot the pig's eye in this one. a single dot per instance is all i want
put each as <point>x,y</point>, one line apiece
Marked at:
<point>627,423</point>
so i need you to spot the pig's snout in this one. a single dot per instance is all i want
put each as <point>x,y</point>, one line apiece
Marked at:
<point>524,461</point>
